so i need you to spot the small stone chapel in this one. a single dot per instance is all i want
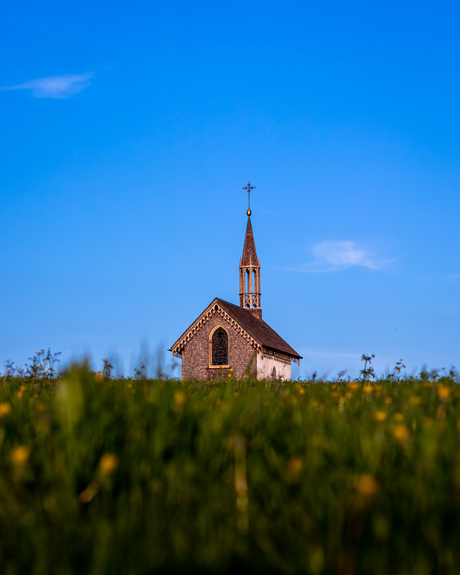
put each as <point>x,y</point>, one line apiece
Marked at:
<point>229,339</point>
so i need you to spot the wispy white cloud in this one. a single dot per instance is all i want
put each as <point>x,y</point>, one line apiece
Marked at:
<point>56,86</point>
<point>329,256</point>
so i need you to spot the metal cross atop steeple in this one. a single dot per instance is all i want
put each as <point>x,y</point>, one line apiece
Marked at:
<point>249,188</point>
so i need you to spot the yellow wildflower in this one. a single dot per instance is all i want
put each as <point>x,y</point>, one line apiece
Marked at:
<point>295,464</point>
<point>388,400</point>
<point>20,455</point>
<point>368,388</point>
<point>353,385</point>
<point>380,416</point>
<point>443,392</point>
<point>5,409</point>
<point>401,432</point>
<point>108,463</point>
<point>415,400</point>
<point>180,397</point>
<point>366,485</point>
<point>294,468</point>
<point>398,416</point>
<point>88,494</point>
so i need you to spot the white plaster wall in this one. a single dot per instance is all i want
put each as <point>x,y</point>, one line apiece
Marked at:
<point>266,363</point>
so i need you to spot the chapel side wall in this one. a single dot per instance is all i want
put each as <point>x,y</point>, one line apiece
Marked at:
<point>195,356</point>
<point>266,363</point>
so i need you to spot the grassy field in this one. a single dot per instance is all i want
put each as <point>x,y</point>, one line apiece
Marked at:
<point>101,475</point>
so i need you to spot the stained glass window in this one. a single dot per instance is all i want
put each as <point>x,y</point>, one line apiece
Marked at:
<point>220,347</point>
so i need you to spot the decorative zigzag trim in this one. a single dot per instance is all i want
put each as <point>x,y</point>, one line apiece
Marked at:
<point>203,320</point>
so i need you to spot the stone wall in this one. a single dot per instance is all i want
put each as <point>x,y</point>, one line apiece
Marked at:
<point>195,356</point>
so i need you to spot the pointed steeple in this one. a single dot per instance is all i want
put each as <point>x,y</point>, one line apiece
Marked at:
<point>250,270</point>
<point>249,249</point>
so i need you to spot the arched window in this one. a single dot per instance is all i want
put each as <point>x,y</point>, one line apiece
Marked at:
<point>274,373</point>
<point>219,351</point>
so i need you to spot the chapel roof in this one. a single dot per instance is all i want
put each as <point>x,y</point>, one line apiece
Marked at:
<point>257,329</point>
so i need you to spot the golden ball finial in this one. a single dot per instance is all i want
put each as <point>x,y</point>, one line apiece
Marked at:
<point>249,212</point>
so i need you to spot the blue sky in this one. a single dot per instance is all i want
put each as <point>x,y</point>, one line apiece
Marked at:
<point>128,130</point>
